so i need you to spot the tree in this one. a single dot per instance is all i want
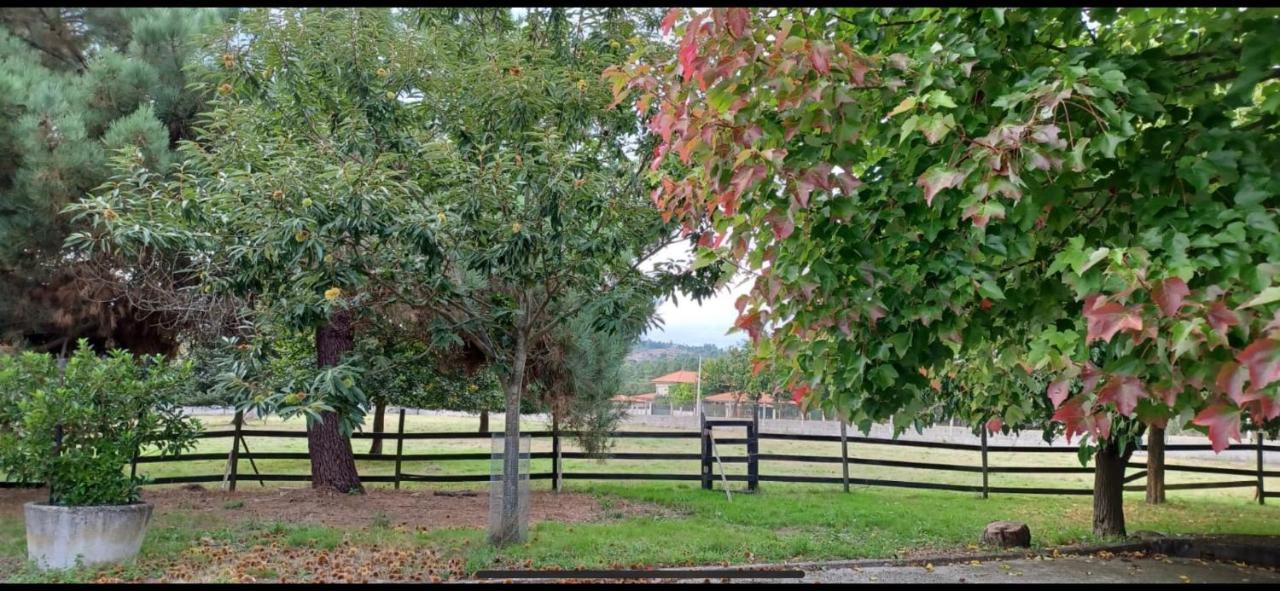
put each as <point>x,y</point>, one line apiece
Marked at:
<point>405,371</point>
<point>738,371</point>
<point>77,84</point>
<point>911,184</point>
<point>298,201</point>
<point>541,216</point>
<point>681,393</point>
<point>576,381</point>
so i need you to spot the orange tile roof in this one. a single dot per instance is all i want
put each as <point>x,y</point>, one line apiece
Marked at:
<point>637,398</point>
<point>727,397</point>
<point>677,377</point>
<point>743,397</point>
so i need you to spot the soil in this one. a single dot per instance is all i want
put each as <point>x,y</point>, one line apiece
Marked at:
<point>414,509</point>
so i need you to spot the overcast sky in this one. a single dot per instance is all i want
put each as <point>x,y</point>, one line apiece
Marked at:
<point>688,323</point>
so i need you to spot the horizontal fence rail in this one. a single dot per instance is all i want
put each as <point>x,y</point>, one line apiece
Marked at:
<point>235,458</point>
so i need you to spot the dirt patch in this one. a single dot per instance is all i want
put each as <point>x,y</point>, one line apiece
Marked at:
<point>416,509</point>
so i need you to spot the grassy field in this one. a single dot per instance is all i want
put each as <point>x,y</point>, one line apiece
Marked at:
<point>781,522</point>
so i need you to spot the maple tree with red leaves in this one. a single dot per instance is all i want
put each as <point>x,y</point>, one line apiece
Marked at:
<point>1086,193</point>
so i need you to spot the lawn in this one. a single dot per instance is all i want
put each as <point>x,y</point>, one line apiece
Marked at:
<point>684,525</point>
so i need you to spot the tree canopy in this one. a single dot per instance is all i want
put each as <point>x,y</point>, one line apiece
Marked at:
<point>910,184</point>
<point>1082,192</point>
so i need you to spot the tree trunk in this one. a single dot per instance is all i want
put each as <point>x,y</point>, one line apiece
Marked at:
<point>508,531</point>
<point>1108,491</point>
<point>1155,466</point>
<point>484,421</point>
<point>332,463</point>
<point>379,416</point>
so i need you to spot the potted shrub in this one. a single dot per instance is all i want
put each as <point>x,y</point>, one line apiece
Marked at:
<point>75,428</point>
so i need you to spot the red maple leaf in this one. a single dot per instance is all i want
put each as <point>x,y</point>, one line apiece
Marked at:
<point>738,19</point>
<point>1124,391</point>
<point>1170,294</point>
<point>798,393</point>
<point>1263,407</point>
<point>1222,318</point>
<point>820,56</point>
<point>782,224</point>
<point>1169,395</point>
<point>876,313</point>
<point>669,20</point>
<point>1230,381</point>
<point>1072,414</point>
<point>1105,319</point>
<point>1058,391</point>
<point>994,425</point>
<point>1223,421</point>
<point>937,179</point>
<point>1090,376</point>
<point>1262,357</point>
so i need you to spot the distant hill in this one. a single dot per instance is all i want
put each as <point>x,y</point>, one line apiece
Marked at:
<point>645,350</point>
<point>650,359</point>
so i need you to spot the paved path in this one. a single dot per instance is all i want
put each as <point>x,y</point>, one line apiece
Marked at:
<point>1063,569</point>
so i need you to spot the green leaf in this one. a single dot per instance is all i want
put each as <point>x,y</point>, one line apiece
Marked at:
<point>938,98</point>
<point>1094,257</point>
<point>1250,195</point>
<point>1266,296</point>
<point>1113,81</point>
<point>1183,334</point>
<point>989,289</point>
<point>1107,144</point>
<point>908,126</point>
<point>906,105</point>
<point>793,44</point>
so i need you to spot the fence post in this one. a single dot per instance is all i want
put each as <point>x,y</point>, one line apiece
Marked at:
<point>234,461</point>
<point>753,461</point>
<point>706,455</point>
<point>1262,494</point>
<point>844,453</point>
<point>399,447</point>
<point>984,462</point>
<point>557,469</point>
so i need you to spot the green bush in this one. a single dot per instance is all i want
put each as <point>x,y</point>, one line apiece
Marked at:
<point>107,408</point>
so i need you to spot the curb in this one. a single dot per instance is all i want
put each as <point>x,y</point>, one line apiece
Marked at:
<point>936,559</point>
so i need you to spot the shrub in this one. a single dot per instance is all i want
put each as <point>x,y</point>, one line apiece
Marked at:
<point>107,408</point>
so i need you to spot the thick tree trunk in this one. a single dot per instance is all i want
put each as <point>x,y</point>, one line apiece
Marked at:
<point>508,531</point>
<point>1155,466</point>
<point>379,419</point>
<point>332,463</point>
<point>484,421</point>
<point>1108,491</point>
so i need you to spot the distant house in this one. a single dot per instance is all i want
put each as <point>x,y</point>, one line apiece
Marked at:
<point>739,404</point>
<point>641,404</point>
<point>662,384</point>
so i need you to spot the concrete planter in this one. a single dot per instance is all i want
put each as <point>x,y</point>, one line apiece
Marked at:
<point>57,536</point>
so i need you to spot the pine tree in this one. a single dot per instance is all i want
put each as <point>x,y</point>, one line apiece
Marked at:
<point>76,85</point>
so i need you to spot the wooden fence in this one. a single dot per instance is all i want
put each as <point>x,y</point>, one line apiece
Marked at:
<point>708,456</point>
